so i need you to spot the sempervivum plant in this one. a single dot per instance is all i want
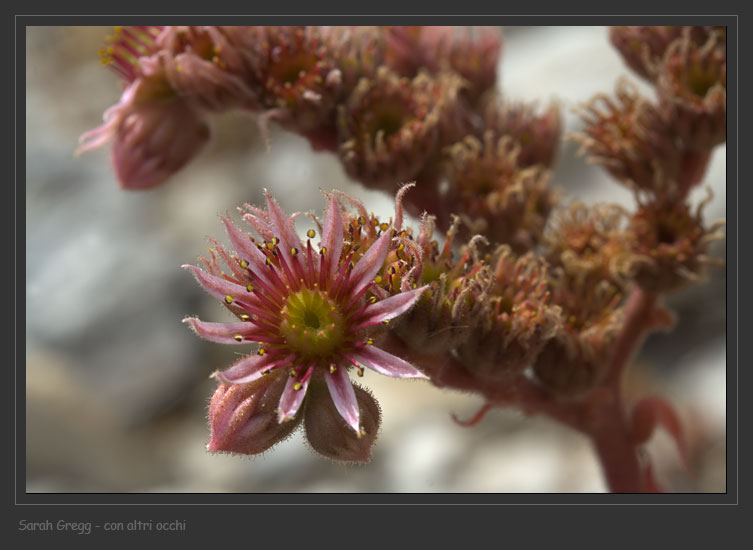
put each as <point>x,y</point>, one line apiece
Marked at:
<point>315,314</point>
<point>528,302</point>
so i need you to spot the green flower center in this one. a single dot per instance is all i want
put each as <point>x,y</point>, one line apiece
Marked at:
<point>312,324</point>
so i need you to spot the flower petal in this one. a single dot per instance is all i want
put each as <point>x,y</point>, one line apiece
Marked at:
<point>249,368</point>
<point>244,247</point>
<point>292,398</point>
<point>371,262</point>
<point>389,308</point>
<point>283,226</point>
<point>223,333</point>
<point>343,396</point>
<point>386,363</point>
<point>216,286</point>
<point>332,235</point>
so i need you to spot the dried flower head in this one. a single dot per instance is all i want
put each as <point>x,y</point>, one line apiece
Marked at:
<point>312,312</point>
<point>390,126</point>
<point>588,241</point>
<point>693,90</point>
<point>643,48</point>
<point>471,52</point>
<point>496,198</point>
<point>206,69</point>
<point>633,140</point>
<point>575,359</point>
<point>444,315</point>
<point>517,321</point>
<point>537,134</point>
<point>294,71</point>
<point>668,245</point>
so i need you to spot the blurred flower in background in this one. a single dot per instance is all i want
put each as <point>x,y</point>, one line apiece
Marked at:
<point>117,389</point>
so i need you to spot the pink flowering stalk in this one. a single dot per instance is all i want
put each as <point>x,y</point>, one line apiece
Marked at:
<point>539,312</point>
<point>312,311</point>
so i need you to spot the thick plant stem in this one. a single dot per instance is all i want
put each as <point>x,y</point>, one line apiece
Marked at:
<point>616,450</point>
<point>693,169</point>
<point>638,319</point>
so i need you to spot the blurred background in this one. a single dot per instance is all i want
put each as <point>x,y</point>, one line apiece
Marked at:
<point>117,387</point>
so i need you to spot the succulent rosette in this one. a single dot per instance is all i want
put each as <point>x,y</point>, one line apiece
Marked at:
<point>312,312</point>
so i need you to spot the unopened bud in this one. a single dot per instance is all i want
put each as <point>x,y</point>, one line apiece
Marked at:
<point>154,141</point>
<point>328,433</point>
<point>243,417</point>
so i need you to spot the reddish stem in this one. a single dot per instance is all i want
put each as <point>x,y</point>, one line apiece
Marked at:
<point>639,312</point>
<point>617,452</point>
<point>693,169</point>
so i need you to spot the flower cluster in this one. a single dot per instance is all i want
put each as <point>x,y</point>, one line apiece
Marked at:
<point>526,302</point>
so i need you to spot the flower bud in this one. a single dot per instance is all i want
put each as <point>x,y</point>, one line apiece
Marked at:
<point>327,432</point>
<point>243,417</point>
<point>154,141</point>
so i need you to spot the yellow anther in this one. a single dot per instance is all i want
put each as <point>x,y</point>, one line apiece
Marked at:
<point>370,342</point>
<point>332,369</point>
<point>311,233</point>
<point>275,241</point>
<point>238,338</point>
<point>261,351</point>
<point>378,279</point>
<point>401,247</point>
<point>323,250</point>
<point>293,251</point>
<point>245,317</point>
<point>384,226</point>
<point>249,287</point>
<point>360,371</point>
<point>297,386</point>
<point>372,300</point>
<point>243,264</point>
<point>269,261</point>
<point>229,299</point>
